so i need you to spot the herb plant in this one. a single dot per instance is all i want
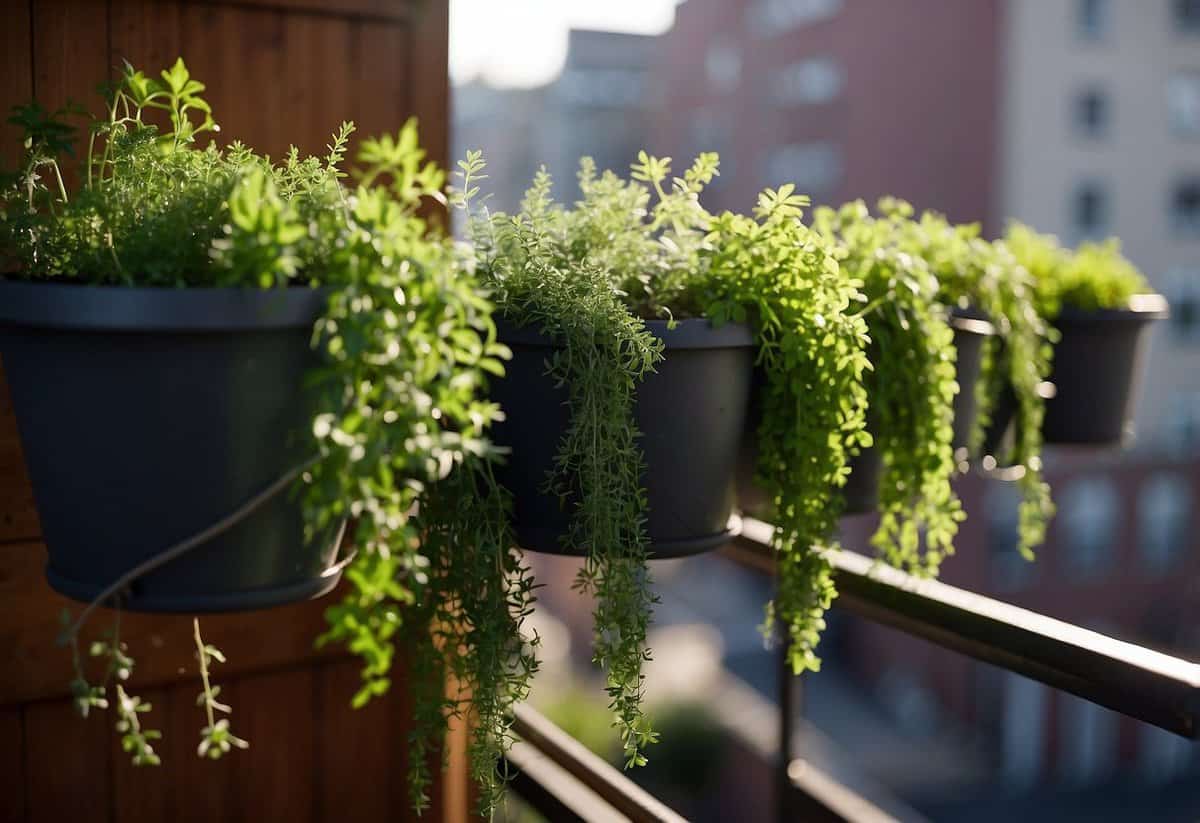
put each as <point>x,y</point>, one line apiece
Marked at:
<point>406,340</point>
<point>974,274</point>
<point>911,388</point>
<point>1094,276</point>
<point>645,247</point>
<point>543,274</point>
<point>783,277</point>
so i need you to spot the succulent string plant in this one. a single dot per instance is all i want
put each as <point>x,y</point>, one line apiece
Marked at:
<point>406,343</point>
<point>975,274</point>
<point>911,389</point>
<point>784,278</point>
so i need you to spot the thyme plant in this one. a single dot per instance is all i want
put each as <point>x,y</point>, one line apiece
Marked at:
<point>543,275</point>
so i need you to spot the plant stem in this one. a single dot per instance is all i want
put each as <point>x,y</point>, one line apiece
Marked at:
<point>202,656</point>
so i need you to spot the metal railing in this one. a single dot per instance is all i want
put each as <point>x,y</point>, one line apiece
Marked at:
<point>564,781</point>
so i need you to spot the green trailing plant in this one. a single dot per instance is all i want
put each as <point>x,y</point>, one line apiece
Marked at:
<point>977,275</point>
<point>646,248</point>
<point>1093,276</point>
<point>543,276</point>
<point>911,388</point>
<point>407,344</point>
<point>781,276</point>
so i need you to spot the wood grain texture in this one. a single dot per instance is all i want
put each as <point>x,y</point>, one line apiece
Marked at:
<point>16,77</point>
<point>67,761</point>
<point>18,514</point>
<point>70,60</point>
<point>275,713</point>
<point>146,33</point>
<point>201,789</point>
<point>278,72</point>
<point>358,749</point>
<point>12,766</point>
<point>162,644</point>
<point>373,10</point>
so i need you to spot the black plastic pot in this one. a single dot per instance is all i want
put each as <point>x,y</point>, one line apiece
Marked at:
<point>1095,377</point>
<point>690,413</point>
<point>146,415</point>
<point>861,492</point>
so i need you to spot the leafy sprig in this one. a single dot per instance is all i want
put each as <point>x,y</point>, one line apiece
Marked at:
<point>778,274</point>
<point>911,388</point>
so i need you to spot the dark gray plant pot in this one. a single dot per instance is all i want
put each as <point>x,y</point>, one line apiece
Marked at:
<point>148,414</point>
<point>690,413</point>
<point>1094,380</point>
<point>861,492</point>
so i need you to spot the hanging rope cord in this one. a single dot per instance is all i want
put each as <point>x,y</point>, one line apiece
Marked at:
<point>199,538</point>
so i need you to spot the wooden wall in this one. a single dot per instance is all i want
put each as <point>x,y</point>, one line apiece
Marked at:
<point>278,72</point>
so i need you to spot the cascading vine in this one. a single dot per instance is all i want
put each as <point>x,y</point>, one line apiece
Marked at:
<point>911,388</point>
<point>783,278</point>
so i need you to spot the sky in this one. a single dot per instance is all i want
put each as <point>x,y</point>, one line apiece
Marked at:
<point>522,43</point>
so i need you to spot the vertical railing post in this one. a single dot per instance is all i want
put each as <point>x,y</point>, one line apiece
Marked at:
<point>787,710</point>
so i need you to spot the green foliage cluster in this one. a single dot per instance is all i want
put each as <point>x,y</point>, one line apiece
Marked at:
<point>778,274</point>
<point>1091,277</point>
<point>978,275</point>
<point>543,275</point>
<point>407,342</point>
<point>911,388</point>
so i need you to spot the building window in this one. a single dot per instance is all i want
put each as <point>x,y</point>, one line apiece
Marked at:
<point>1187,16</point>
<point>815,168</point>
<point>1023,740</point>
<point>771,17</point>
<point>1183,102</point>
<point>1088,739</point>
<point>817,80</point>
<point>1091,514</point>
<point>1185,207</point>
<point>1091,113</point>
<point>1009,571</point>
<point>1164,515</point>
<point>723,66</point>
<point>1183,289</point>
<point>1184,423</point>
<point>1093,18</point>
<point>1090,210</point>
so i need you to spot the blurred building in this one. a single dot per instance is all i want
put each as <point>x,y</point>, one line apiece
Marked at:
<point>1081,117</point>
<point>598,106</point>
<point>1100,136</point>
<point>842,97</point>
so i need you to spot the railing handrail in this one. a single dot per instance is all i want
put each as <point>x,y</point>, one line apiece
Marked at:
<point>1139,682</point>
<point>591,770</point>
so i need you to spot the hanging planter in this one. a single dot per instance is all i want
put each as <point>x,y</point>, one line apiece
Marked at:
<point>690,412</point>
<point>861,492</point>
<point>1100,307</point>
<point>149,415</point>
<point>1097,372</point>
<point>862,486</point>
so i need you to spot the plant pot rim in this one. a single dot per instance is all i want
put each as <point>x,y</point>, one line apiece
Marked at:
<point>689,333</point>
<point>1140,309</point>
<point>76,307</point>
<point>971,321</point>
